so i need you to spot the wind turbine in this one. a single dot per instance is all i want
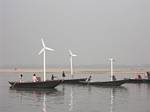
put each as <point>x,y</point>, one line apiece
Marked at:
<point>43,50</point>
<point>111,62</point>
<point>71,55</point>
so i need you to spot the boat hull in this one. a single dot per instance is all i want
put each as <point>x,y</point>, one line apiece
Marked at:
<point>74,81</point>
<point>138,81</point>
<point>41,84</point>
<point>106,83</point>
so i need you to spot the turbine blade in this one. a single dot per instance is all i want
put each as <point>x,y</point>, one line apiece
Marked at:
<point>42,50</point>
<point>70,52</point>
<point>74,55</point>
<point>50,49</point>
<point>43,42</point>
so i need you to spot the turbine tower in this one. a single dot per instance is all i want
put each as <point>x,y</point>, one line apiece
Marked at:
<point>111,62</point>
<point>71,55</point>
<point>43,50</point>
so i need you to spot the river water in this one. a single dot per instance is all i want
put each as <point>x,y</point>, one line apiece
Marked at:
<point>74,98</point>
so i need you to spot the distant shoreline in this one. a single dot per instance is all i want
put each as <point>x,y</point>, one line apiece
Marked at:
<point>77,70</point>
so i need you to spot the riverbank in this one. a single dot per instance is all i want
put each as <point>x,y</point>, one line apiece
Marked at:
<point>137,70</point>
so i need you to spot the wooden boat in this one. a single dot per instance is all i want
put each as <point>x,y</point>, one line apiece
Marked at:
<point>106,83</point>
<point>40,84</point>
<point>74,81</point>
<point>113,82</point>
<point>138,80</point>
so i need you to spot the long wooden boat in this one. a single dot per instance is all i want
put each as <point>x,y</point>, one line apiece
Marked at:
<point>138,81</point>
<point>106,83</point>
<point>40,84</point>
<point>74,81</point>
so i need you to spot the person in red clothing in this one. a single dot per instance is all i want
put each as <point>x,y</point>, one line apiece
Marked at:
<point>139,77</point>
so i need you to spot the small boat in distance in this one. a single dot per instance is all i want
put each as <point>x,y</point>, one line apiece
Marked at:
<point>74,81</point>
<point>48,84</point>
<point>139,79</point>
<point>111,83</point>
<point>106,83</point>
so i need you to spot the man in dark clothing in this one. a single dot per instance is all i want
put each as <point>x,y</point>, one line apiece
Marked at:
<point>63,74</point>
<point>114,78</point>
<point>52,78</point>
<point>148,75</point>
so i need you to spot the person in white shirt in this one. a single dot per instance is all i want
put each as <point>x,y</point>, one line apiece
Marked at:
<point>21,78</point>
<point>34,79</point>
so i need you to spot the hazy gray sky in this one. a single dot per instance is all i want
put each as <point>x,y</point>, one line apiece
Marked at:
<point>93,29</point>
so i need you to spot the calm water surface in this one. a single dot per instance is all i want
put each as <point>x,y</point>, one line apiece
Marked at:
<point>74,98</point>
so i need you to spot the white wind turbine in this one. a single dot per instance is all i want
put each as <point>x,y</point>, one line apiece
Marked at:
<point>111,62</point>
<point>43,50</point>
<point>71,55</point>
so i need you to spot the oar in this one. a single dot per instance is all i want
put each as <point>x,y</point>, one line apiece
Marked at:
<point>89,79</point>
<point>13,85</point>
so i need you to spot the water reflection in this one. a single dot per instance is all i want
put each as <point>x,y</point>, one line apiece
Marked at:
<point>112,99</point>
<point>44,102</point>
<point>71,100</point>
<point>38,95</point>
<point>113,94</point>
<point>148,93</point>
<point>34,92</point>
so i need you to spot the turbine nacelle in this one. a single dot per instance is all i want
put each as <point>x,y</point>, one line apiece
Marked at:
<point>44,48</point>
<point>111,59</point>
<point>71,54</point>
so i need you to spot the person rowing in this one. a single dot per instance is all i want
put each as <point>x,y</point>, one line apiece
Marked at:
<point>89,79</point>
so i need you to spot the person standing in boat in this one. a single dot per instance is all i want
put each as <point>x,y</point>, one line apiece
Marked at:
<point>63,75</point>
<point>20,78</point>
<point>114,78</point>
<point>34,79</point>
<point>139,77</point>
<point>148,75</point>
<point>52,78</point>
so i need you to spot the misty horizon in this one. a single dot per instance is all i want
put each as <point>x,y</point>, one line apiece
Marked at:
<point>98,66</point>
<point>94,30</point>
